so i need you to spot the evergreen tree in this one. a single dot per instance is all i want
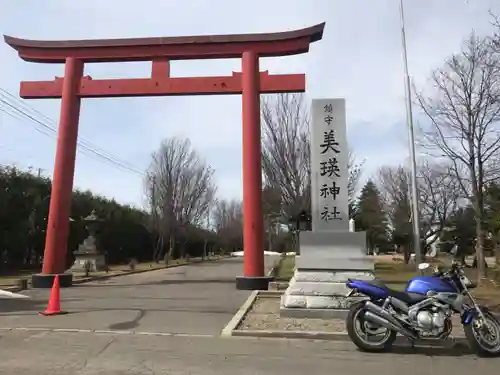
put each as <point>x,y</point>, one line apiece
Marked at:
<point>371,217</point>
<point>461,232</point>
<point>124,233</point>
<point>402,230</point>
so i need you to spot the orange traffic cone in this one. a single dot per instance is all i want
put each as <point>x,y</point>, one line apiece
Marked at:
<point>54,306</point>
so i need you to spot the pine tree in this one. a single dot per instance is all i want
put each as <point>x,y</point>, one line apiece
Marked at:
<point>371,217</point>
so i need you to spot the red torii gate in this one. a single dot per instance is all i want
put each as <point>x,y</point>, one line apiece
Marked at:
<point>74,86</point>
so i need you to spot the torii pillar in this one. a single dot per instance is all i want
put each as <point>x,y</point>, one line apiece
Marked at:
<point>250,83</point>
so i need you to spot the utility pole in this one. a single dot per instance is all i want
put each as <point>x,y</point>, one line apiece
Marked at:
<point>205,245</point>
<point>411,141</point>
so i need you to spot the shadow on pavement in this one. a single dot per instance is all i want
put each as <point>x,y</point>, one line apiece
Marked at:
<point>456,350</point>
<point>9,306</point>
<point>165,282</point>
<point>192,281</point>
<point>130,324</point>
<point>92,297</point>
<point>196,310</point>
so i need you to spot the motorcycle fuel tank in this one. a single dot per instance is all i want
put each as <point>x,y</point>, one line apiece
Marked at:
<point>424,284</point>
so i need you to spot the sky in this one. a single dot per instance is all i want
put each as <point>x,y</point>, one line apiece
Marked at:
<point>359,59</point>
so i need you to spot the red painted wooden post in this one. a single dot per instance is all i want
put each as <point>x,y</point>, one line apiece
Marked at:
<point>250,83</point>
<point>253,224</point>
<point>62,183</point>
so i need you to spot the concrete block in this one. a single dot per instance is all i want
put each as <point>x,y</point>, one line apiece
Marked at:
<point>318,289</point>
<point>330,276</point>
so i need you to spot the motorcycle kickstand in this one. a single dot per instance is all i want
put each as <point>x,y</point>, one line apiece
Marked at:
<point>412,343</point>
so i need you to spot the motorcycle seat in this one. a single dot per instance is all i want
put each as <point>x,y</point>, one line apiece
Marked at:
<point>409,298</point>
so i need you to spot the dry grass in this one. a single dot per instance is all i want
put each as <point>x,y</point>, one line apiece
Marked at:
<point>397,274</point>
<point>286,268</point>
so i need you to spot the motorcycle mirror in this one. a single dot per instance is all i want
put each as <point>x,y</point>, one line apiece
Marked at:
<point>423,266</point>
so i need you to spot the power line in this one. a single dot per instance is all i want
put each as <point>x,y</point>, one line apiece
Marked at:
<point>87,148</point>
<point>28,108</point>
<point>20,111</point>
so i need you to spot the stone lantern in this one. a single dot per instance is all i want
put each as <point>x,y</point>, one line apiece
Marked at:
<point>302,222</point>
<point>88,257</point>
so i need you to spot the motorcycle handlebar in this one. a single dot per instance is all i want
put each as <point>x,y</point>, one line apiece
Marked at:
<point>441,271</point>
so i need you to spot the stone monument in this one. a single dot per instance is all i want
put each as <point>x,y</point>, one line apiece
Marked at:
<point>87,252</point>
<point>330,253</point>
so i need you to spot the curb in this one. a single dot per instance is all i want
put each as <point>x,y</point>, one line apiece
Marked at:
<point>270,293</point>
<point>233,324</point>
<point>236,320</point>
<point>231,329</point>
<point>338,336</point>
<point>83,280</point>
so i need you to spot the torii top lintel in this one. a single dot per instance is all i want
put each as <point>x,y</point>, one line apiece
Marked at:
<point>172,48</point>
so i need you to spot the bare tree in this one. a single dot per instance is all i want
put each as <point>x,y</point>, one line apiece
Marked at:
<point>463,109</point>
<point>286,156</point>
<point>355,169</point>
<point>228,223</point>
<point>180,189</point>
<point>495,39</point>
<point>439,195</point>
<point>154,224</point>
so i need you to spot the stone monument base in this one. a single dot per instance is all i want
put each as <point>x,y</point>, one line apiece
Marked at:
<point>97,262</point>
<point>327,261</point>
<point>320,293</point>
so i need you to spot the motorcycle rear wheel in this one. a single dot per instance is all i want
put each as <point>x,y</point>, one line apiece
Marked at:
<point>354,317</point>
<point>484,337</point>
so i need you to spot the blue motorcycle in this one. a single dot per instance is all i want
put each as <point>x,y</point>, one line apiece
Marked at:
<point>422,311</point>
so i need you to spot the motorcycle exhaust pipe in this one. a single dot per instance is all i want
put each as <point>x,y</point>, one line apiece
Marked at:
<point>398,304</point>
<point>377,315</point>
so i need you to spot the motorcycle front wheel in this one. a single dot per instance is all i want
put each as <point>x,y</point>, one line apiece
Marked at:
<point>484,336</point>
<point>368,336</point>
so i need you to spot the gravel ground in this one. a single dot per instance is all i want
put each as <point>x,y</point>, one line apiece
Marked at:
<point>265,315</point>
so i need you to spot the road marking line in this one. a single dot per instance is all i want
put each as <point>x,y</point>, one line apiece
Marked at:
<point>104,332</point>
<point>193,335</point>
<point>112,332</point>
<point>153,333</point>
<point>31,329</point>
<point>71,330</point>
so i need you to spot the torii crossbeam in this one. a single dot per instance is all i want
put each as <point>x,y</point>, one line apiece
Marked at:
<point>74,86</point>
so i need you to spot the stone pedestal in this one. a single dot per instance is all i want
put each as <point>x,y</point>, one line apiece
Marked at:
<point>97,261</point>
<point>87,252</point>
<point>327,261</point>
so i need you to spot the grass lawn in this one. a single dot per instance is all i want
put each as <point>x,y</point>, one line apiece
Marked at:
<point>396,274</point>
<point>286,268</point>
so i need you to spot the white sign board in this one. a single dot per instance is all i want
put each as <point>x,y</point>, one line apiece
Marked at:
<point>329,174</point>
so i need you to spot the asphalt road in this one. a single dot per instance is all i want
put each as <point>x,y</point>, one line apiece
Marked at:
<point>197,299</point>
<point>169,321</point>
<point>72,353</point>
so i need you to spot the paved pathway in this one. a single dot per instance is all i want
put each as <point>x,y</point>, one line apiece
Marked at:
<point>168,322</point>
<point>196,299</point>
